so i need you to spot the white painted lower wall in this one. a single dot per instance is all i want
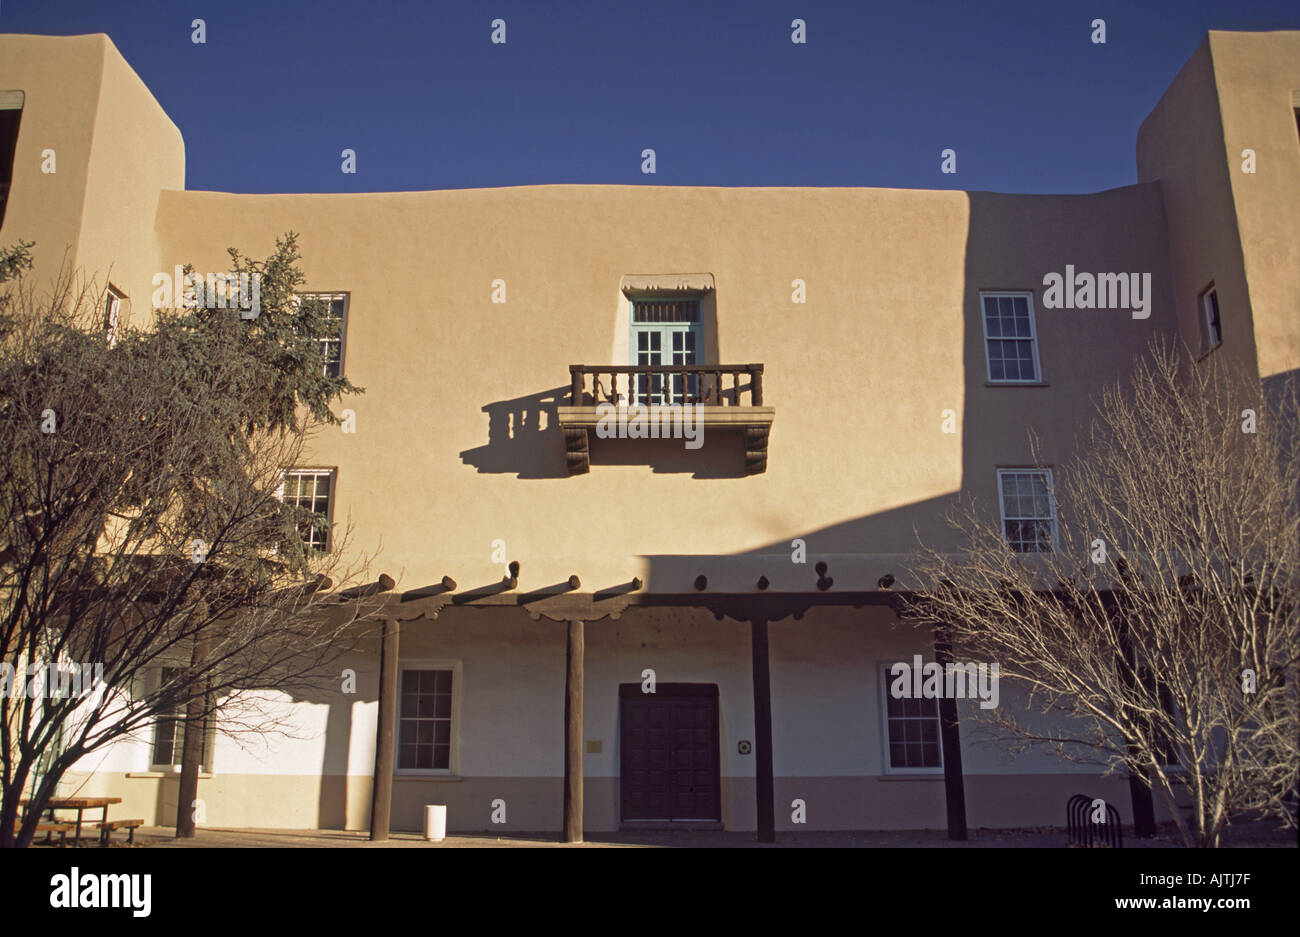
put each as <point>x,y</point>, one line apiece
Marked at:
<point>827,729</point>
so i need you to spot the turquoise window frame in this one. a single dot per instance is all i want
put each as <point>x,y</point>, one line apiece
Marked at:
<point>672,391</point>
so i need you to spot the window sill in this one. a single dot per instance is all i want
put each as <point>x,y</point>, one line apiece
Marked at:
<point>203,775</point>
<point>937,776</point>
<point>427,777</point>
<point>1016,384</point>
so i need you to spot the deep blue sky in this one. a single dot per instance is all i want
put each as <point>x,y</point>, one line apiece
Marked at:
<point>1029,103</point>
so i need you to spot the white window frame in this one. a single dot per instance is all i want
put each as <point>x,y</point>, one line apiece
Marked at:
<point>112,313</point>
<point>343,328</point>
<point>329,509</point>
<point>453,756</point>
<point>1051,504</point>
<point>882,668</point>
<point>1028,296</point>
<point>1207,313</point>
<point>209,731</point>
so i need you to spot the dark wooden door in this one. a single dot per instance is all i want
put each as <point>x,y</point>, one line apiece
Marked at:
<point>668,764</point>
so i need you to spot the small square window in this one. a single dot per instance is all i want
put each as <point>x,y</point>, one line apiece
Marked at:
<point>1010,338</point>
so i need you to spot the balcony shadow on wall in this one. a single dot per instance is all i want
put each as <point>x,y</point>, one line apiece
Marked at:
<point>523,438</point>
<point>721,455</point>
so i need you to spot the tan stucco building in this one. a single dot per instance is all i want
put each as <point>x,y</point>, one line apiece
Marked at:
<point>872,312</point>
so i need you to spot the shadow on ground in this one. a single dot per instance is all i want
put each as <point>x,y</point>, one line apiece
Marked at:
<point>1249,836</point>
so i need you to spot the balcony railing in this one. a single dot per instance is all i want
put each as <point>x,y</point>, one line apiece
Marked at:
<point>666,384</point>
<point>729,397</point>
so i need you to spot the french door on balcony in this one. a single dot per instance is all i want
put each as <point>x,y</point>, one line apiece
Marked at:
<point>666,333</point>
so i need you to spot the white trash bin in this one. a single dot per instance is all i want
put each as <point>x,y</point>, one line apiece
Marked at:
<point>435,822</point>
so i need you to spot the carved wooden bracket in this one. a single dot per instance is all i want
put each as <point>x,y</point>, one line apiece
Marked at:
<point>577,450</point>
<point>756,448</point>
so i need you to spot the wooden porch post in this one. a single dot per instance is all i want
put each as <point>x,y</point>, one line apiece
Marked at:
<point>950,738</point>
<point>381,794</point>
<point>1139,788</point>
<point>1144,810</point>
<point>764,786</point>
<point>573,733</point>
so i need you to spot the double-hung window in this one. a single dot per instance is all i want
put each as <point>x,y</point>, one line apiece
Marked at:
<point>1010,338</point>
<point>666,332</point>
<point>169,732</point>
<point>1028,509</point>
<point>313,491</point>
<point>424,721</point>
<point>334,342</point>
<point>911,729</point>
<point>11,112</point>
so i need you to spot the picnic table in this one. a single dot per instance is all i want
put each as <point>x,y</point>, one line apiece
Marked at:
<point>79,804</point>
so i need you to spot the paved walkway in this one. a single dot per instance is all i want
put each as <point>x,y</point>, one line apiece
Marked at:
<point>163,837</point>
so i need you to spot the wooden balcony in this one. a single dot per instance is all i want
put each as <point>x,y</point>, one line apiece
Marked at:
<point>728,396</point>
